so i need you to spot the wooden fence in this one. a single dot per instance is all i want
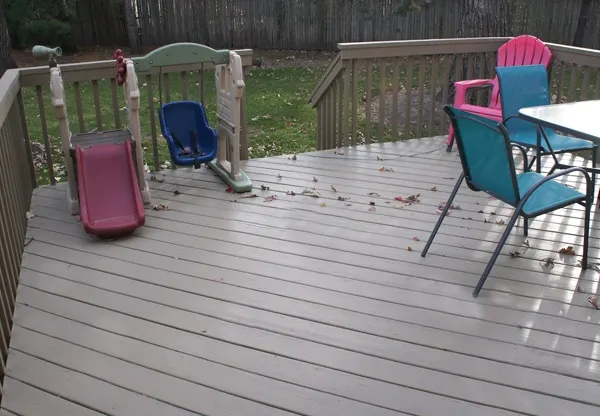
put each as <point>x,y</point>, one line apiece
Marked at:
<point>312,24</point>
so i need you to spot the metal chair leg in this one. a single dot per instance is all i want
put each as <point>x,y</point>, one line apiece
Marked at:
<point>443,215</point>
<point>525,226</point>
<point>488,268</point>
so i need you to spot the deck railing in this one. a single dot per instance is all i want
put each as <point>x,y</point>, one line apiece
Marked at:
<point>381,91</point>
<point>95,102</point>
<point>17,180</point>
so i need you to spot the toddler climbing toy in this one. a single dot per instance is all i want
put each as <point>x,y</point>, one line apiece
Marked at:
<point>184,124</point>
<point>105,169</point>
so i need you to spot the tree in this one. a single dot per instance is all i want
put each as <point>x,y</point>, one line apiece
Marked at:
<point>582,21</point>
<point>6,61</point>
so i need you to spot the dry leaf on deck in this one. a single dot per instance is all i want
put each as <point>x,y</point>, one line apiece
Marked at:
<point>176,192</point>
<point>265,187</point>
<point>315,179</point>
<point>160,207</point>
<point>567,251</point>
<point>593,300</point>
<point>343,198</point>
<point>292,193</point>
<point>373,194</point>
<point>372,209</point>
<point>500,222</point>
<point>547,262</point>
<point>333,188</point>
<point>371,203</point>
<point>433,188</point>
<point>384,169</point>
<point>410,248</point>
<point>311,192</point>
<point>515,254</point>
<point>279,176</point>
<point>323,205</point>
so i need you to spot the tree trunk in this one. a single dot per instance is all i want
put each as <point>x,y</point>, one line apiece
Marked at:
<point>584,11</point>
<point>6,61</point>
<point>132,29</point>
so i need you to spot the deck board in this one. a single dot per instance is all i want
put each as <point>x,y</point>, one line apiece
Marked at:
<point>229,305</point>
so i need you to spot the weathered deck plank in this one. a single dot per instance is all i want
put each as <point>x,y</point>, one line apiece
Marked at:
<point>254,306</point>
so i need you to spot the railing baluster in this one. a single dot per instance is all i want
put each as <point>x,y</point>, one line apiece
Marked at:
<point>339,111</point>
<point>368,97</point>
<point>79,107</point>
<point>47,147</point>
<point>408,107</point>
<point>432,109</point>
<point>561,82</point>
<point>151,109</point>
<point>395,92</point>
<point>201,82</point>
<point>572,84</point>
<point>346,107</point>
<point>96,94</point>
<point>445,91</point>
<point>585,84</point>
<point>382,90</point>
<point>27,139</point>
<point>354,115</point>
<point>115,103</point>
<point>422,68</point>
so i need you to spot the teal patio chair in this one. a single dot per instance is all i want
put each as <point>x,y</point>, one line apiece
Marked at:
<point>485,151</point>
<point>528,86</point>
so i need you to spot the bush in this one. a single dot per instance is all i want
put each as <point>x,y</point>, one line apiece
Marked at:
<point>49,32</point>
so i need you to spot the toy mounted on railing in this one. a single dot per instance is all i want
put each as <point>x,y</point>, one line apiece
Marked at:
<point>39,51</point>
<point>121,67</point>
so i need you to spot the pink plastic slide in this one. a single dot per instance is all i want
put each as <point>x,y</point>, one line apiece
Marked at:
<point>109,195</point>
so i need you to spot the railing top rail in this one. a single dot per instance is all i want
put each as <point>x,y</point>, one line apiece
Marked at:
<point>330,74</point>
<point>575,55</point>
<point>9,89</point>
<point>85,71</point>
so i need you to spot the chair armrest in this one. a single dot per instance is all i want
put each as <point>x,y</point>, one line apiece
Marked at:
<point>588,180</point>
<point>463,86</point>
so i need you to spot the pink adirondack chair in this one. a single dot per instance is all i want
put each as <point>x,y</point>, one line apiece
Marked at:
<point>521,50</point>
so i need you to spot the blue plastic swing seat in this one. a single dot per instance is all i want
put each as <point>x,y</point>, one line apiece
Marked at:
<point>185,127</point>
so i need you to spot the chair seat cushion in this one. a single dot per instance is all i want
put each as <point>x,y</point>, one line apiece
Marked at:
<point>551,195</point>
<point>493,113</point>
<point>558,142</point>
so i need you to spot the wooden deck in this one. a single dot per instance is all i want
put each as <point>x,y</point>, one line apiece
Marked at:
<point>284,304</point>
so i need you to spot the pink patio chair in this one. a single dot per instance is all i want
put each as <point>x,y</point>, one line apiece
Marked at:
<point>522,50</point>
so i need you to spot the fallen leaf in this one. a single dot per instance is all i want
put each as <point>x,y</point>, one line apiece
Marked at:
<point>154,178</point>
<point>333,188</point>
<point>371,203</point>
<point>292,193</point>
<point>343,198</point>
<point>373,194</point>
<point>416,239</point>
<point>279,176</point>
<point>567,251</point>
<point>264,187</point>
<point>412,199</point>
<point>270,198</point>
<point>526,243</point>
<point>384,169</point>
<point>29,215</point>
<point>176,192</point>
<point>379,157</point>
<point>311,192</point>
<point>433,188</point>
<point>515,254</point>
<point>315,179</point>
<point>500,222</point>
<point>372,209</point>
<point>294,157</point>
<point>323,205</point>
<point>547,262</point>
<point>160,207</point>
<point>229,190</point>
<point>593,300</point>
<point>410,248</point>
<point>481,211</point>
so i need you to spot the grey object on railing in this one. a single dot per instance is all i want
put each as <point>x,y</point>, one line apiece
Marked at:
<point>40,51</point>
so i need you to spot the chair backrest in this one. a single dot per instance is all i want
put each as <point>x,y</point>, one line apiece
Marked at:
<point>485,154</point>
<point>522,86</point>
<point>521,50</point>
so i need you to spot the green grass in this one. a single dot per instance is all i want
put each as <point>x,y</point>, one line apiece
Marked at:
<point>280,119</point>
